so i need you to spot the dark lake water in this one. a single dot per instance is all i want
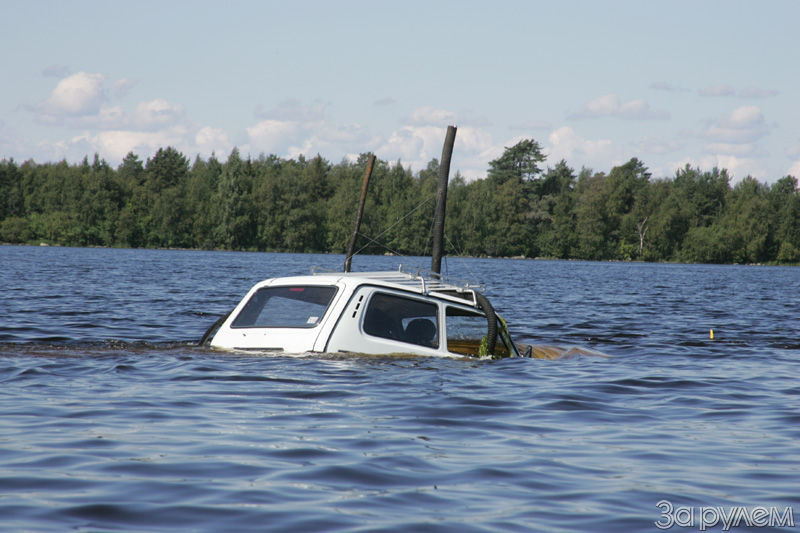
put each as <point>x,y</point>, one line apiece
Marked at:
<point>112,420</point>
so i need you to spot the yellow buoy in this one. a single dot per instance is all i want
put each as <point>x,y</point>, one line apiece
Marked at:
<point>711,334</point>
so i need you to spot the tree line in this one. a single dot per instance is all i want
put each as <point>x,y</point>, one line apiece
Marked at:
<point>521,208</point>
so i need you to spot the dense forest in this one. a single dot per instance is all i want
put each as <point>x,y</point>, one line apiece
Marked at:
<point>521,208</point>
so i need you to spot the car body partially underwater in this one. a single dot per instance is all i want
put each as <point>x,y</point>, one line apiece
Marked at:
<point>365,313</point>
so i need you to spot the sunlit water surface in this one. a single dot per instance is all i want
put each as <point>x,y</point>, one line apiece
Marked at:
<point>111,419</point>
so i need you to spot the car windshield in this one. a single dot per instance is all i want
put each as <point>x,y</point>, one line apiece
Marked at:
<point>300,306</point>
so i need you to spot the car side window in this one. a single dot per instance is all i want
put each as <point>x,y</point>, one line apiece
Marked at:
<point>402,319</point>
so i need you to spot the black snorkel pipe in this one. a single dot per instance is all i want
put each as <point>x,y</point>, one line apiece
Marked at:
<point>441,203</point>
<point>491,318</point>
<point>351,246</point>
<point>212,330</point>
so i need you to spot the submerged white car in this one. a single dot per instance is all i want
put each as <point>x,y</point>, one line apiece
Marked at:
<point>366,313</point>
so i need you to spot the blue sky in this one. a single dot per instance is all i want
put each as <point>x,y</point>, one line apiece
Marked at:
<point>595,83</point>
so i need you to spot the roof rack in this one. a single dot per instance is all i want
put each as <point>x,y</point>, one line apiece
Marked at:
<point>422,282</point>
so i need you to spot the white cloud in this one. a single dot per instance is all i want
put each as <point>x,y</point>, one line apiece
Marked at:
<point>470,140</point>
<point>292,138</point>
<point>108,117</point>
<point>81,101</point>
<point>733,143</point>
<point>112,145</point>
<point>431,116</point>
<point>212,140</point>
<point>474,148</point>
<point>738,167</point>
<point>610,105</point>
<point>115,144</point>
<point>274,136</point>
<point>634,109</point>
<point>293,128</point>
<point>473,151</point>
<point>77,95</point>
<point>328,140</point>
<point>601,106</point>
<point>743,125</point>
<point>744,117</point>
<point>123,86</point>
<point>565,144</point>
<point>794,170</point>
<point>415,145</point>
<point>650,145</point>
<point>156,114</point>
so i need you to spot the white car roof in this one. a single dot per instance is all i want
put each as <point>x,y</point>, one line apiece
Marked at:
<point>392,279</point>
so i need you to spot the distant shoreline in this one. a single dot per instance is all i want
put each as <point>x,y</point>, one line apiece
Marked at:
<point>515,258</point>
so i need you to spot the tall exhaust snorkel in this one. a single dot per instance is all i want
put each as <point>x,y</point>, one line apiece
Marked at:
<point>438,237</point>
<point>360,214</point>
<point>441,202</point>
